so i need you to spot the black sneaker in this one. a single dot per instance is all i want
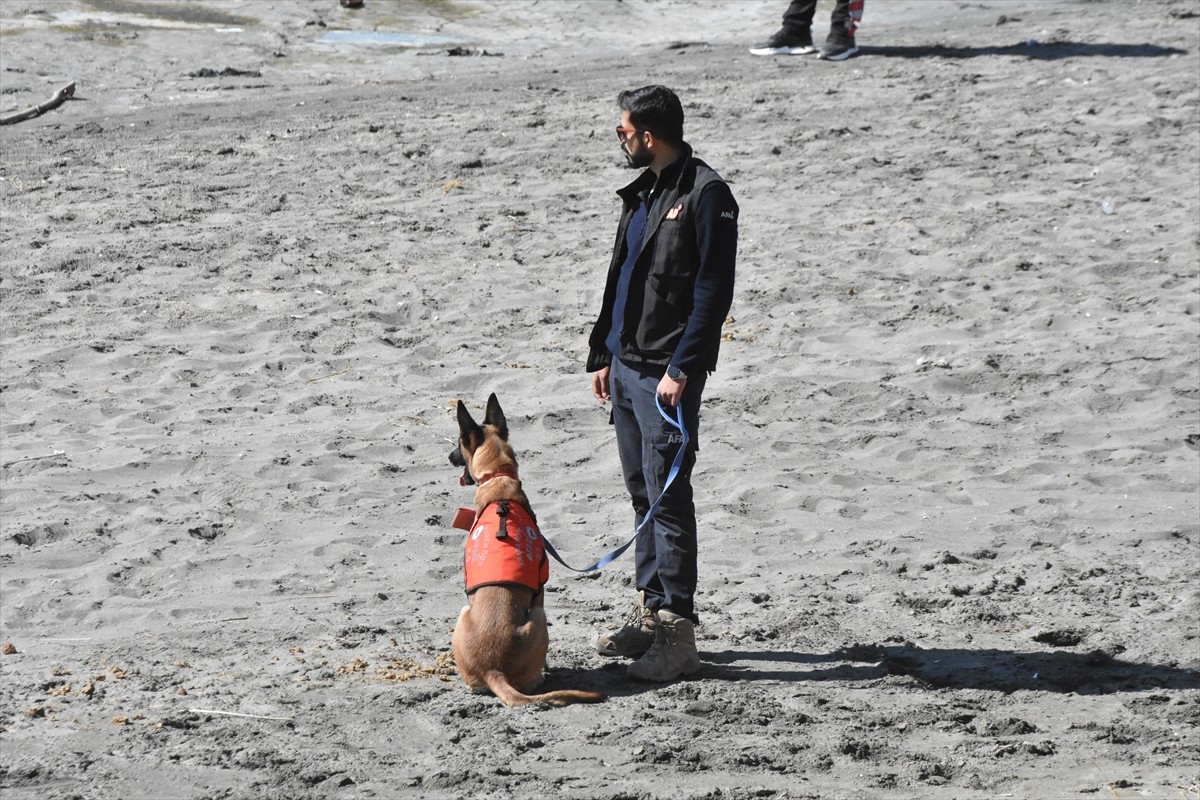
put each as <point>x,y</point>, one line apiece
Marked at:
<point>784,43</point>
<point>838,47</point>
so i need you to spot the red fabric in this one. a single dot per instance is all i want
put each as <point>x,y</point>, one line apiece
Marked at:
<point>519,558</point>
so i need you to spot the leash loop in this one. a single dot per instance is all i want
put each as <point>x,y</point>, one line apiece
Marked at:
<point>676,465</point>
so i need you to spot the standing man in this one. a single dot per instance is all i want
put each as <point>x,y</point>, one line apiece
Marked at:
<point>795,37</point>
<point>670,284</point>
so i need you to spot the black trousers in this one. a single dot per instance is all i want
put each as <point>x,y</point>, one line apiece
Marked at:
<point>665,551</point>
<point>845,18</point>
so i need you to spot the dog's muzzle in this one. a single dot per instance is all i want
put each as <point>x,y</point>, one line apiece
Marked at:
<point>456,458</point>
<point>465,479</point>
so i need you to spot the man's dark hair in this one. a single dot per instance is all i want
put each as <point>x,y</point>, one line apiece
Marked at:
<point>656,109</point>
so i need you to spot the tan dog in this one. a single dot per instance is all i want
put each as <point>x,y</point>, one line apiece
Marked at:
<point>500,639</point>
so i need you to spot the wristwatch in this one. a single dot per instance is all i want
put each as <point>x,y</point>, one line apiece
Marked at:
<point>675,373</point>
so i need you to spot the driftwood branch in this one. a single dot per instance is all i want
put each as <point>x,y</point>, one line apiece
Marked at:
<point>55,454</point>
<point>54,102</point>
<point>236,714</point>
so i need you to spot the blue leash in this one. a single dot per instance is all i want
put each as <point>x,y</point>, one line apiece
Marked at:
<point>675,466</point>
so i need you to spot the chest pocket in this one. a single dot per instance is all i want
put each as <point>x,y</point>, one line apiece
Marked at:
<point>672,273</point>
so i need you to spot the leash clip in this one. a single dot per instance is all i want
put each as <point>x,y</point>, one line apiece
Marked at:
<point>502,512</point>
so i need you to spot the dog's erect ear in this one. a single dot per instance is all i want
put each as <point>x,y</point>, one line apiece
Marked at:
<point>495,417</point>
<point>469,433</point>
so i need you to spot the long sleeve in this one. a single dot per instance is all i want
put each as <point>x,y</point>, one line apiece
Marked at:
<point>716,240</point>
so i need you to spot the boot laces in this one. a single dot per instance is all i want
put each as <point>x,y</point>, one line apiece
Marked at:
<point>637,617</point>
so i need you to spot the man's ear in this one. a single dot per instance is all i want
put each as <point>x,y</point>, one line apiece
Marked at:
<point>495,417</point>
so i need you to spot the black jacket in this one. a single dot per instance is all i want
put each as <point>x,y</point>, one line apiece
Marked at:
<point>682,283</point>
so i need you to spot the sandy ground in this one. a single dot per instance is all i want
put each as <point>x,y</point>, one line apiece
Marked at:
<point>949,480</point>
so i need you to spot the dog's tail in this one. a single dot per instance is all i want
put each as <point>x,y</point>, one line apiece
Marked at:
<point>508,694</point>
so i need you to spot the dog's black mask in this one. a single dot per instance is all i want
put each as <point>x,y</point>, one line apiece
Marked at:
<point>456,458</point>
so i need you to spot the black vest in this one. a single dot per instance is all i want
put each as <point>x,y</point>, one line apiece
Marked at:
<point>664,276</point>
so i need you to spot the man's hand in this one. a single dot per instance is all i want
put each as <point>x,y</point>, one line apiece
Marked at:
<point>600,385</point>
<point>670,391</point>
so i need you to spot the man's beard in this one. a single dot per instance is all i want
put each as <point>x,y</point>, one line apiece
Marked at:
<point>639,159</point>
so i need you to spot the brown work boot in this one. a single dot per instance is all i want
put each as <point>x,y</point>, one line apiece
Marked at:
<point>673,652</point>
<point>635,636</point>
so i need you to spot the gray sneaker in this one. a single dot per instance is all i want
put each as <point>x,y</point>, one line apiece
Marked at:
<point>635,636</point>
<point>838,47</point>
<point>673,653</point>
<point>786,43</point>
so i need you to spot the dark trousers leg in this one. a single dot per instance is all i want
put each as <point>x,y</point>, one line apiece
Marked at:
<point>846,16</point>
<point>665,551</point>
<point>799,16</point>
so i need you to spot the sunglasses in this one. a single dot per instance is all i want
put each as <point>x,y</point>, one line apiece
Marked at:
<point>623,134</point>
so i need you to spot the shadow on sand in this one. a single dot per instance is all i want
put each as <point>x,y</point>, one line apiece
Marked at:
<point>1038,51</point>
<point>1095,672</point>
<point>1086,673</point>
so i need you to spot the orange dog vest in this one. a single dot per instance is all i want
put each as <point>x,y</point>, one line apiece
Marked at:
<point>516,557</point>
